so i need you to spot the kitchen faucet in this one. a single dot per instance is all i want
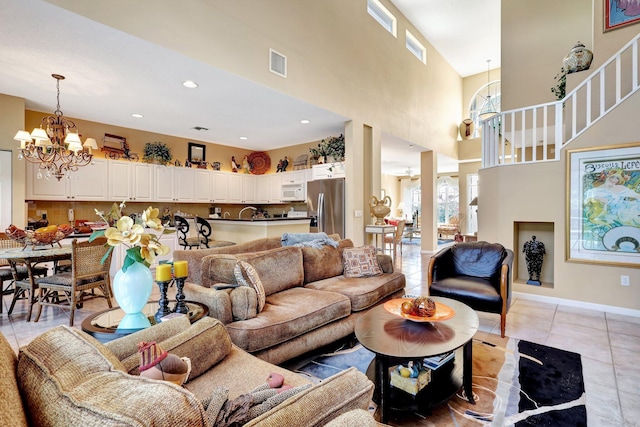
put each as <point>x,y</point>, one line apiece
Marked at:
<point>225,214</point>
<point>244,209</point>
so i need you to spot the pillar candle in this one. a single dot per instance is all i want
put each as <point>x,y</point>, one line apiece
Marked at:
<point>163,272</point>
<point>180,269</point>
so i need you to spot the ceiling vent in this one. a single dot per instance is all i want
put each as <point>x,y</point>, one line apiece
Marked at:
<point>277,63</point>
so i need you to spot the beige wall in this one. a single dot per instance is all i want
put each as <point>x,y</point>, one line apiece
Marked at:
<point>11,120</point>
<point>537,193</point>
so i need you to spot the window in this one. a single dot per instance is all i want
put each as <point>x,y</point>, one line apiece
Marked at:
<point>448,199</point>
<point>472,193</point>
<point>382,15</point>
<point>415,47</point>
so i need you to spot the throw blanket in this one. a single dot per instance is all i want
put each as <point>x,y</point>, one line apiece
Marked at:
<point>314,240</point>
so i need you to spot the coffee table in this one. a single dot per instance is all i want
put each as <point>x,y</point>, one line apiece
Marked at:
<point>104,326</point>
<point>395,340</point>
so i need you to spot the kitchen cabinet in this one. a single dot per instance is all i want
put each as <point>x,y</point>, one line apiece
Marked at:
<point>79,185</point>
<point>203,186</point>
<point>174,184</point>
<point>130,181</point>
<point>328,170</point>
<point>249,188</point>
<point>294,177</point>
<point>274,183</point>
<point>220,186</point>
<point>235,193</point>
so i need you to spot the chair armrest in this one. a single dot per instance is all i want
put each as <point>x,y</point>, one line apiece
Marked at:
<point>218,301</point>
<point>440,266</point>
<point>505,277</point>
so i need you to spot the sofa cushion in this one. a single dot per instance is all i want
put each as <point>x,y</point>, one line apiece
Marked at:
<point>360,262</point>
<point>288,314</point>
<point>244,303</point>
<point>246,275</point>
<point>11,408</point>
<point>324,263</point>
<point>206,343</point>
<point>278,269</point>
<point>363,292</point>
<point>69,378</point>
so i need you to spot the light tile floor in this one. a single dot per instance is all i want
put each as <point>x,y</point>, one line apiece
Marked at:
<point>608,343</point>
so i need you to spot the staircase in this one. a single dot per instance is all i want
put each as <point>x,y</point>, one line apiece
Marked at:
<point>539,133</point>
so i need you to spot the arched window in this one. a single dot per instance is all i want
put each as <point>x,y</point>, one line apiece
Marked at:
<point>486,98</point>
<point>448,198</point>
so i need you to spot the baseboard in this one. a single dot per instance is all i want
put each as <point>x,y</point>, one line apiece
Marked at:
<point>579,304</point>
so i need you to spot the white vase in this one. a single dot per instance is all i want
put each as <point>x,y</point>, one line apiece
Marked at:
<point>132,288</point>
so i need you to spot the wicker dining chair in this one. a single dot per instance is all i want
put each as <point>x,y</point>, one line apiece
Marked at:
<point>88,273</point>
<point>396,238</point>
<point>6,276</point>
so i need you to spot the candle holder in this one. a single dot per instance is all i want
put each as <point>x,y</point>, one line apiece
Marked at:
<point>163,303</point>
<point>180,307</point>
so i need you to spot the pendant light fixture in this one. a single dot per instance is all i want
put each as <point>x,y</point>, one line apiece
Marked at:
<point>488,108</point>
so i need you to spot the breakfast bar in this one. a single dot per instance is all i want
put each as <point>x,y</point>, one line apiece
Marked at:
<point>245,230</point>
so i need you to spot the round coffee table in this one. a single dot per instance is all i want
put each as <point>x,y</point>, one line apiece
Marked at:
<point>395,340</point>
<point>104,326</point>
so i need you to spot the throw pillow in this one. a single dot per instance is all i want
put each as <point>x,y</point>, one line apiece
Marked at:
<point>360,262</point>
<point>159,364</point>
<point>246,275</point>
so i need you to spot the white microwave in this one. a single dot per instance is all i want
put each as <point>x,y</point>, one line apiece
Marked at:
<point>292,192</point>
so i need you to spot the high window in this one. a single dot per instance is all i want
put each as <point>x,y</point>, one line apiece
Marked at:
<point>383,16</point>
<point>415,47</point>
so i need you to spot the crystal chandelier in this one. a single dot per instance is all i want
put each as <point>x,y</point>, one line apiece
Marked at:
<point>53,146</point>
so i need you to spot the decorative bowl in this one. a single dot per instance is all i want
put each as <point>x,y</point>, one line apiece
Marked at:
<point>443,312</point>
<point>35,238</point>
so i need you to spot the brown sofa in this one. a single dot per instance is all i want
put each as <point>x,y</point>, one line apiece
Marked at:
<point>65,377</point>
<point>309,302</point>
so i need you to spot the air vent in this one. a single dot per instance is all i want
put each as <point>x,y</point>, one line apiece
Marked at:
<point>200,128</point>
<point>277,63</point>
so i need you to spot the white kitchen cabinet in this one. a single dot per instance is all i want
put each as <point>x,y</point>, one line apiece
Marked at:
<point>249,188</point>
<point>235,193</point>
<point>220,186</point>
<point>274,183</point>
<point>87,183</point>
<point>328,170</point>
<point>262,190</point>
<point>174,184</point>
<point>203,186</point>
<point>294,177</point>
<point>130,181</point>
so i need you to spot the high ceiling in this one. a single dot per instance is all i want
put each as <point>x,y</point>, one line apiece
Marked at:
<point>108,78</point>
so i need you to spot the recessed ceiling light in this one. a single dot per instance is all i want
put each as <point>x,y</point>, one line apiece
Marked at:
<point>137,115</point>
<point>305,121</point>
<point>190,84</point>
<point>244,138</point>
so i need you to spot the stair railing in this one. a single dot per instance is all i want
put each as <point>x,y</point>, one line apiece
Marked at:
<point>538,133</point>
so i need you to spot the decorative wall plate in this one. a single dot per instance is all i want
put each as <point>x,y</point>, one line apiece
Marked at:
<point>443,312</point>
<point>260,162</point>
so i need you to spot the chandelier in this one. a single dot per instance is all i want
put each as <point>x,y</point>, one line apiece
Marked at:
<point>53,146</point>
<point>488,108</point>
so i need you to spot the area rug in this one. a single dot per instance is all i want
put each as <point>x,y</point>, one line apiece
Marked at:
<point>515,383</point>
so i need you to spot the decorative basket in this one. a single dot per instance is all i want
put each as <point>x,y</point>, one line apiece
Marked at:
<point>33,238</point>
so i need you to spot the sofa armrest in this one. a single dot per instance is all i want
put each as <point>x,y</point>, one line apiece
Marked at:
<point>319,404</point>
<point>386,262</point>
<point>355,417</point>
<point>218,301</point>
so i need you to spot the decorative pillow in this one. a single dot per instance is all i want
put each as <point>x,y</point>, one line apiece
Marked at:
<point>159,364</point>
<point>246,275</point>
<point>360,262</point>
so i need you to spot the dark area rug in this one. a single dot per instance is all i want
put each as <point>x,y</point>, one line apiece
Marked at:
<point>515,383</point>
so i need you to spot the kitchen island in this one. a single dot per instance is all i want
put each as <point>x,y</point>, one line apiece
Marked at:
<point>245,230</point>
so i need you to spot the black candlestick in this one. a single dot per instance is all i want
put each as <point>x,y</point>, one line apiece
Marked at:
<point>180,307</point>
<point>163,303</point>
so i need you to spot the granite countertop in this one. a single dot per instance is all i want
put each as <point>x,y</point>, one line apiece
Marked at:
<point>259,219</point>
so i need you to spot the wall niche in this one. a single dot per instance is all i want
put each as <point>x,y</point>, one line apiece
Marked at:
<point>524,232</point>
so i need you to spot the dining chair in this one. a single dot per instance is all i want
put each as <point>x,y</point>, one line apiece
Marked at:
<point>204,232</point>
<point>182,230</point>
<point>396,238</point>
<point>6,275</point>
<point>88,273</point>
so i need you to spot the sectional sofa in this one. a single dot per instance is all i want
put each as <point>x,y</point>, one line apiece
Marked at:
<point>308,301</point>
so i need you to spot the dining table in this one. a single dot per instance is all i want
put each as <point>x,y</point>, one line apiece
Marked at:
<point>30,257</point>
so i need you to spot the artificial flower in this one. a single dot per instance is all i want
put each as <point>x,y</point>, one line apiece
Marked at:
<point>142,247</point>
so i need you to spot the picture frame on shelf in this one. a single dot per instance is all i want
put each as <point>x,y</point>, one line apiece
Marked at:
<point>619,14</point>
<point>197,153</point>
<point>603,204</point>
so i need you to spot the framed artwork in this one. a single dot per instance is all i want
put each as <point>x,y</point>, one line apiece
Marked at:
<point>620,13</point>
<point>197,153</point>
<point>603,205</point>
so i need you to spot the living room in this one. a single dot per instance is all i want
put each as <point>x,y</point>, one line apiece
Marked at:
<point>522,194</point>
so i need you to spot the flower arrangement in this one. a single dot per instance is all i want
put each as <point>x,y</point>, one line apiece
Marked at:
<point>143,247</point>
<point>157,152</point>
<point>331,146</point>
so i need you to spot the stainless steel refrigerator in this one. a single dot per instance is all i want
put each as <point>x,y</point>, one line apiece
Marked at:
<point>325,205</point>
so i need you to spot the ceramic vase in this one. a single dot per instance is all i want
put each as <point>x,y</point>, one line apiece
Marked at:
<point>380,208</point>
<point>132,288</point>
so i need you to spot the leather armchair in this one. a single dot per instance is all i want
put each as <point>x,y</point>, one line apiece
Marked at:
<point>475,273</point>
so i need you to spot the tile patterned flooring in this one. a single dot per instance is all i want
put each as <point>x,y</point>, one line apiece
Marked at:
<point>609,343</point>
